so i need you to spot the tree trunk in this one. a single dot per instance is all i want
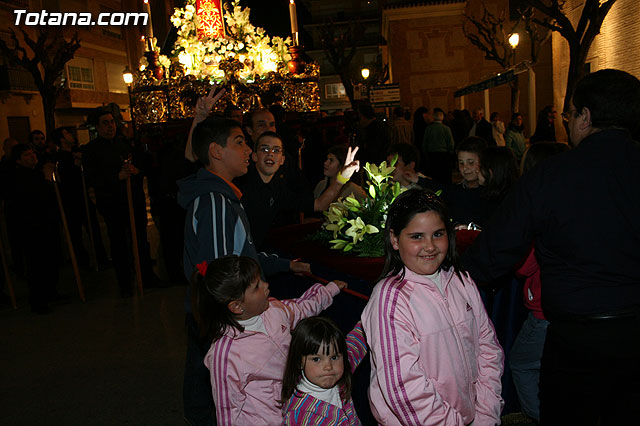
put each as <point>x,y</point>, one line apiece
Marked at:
<point>577,58</point>
<point>348,88</point>
<point>49,106</point>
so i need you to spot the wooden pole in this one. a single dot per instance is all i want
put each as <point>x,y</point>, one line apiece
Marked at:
<point>72,254</point>
<point>134,238</point>
<point>346,290</point>
<point>92,241</point>
<point>533,113</point>
<point>7,273</point>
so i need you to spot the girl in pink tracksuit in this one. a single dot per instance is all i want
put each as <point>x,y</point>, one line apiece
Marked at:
<point>250,334</point>
<point>435,359</point>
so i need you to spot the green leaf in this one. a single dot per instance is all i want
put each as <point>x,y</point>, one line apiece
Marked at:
<point>396,189</point>
<point>372,191</point>
<point>338,244</point>
<point>370,229</point>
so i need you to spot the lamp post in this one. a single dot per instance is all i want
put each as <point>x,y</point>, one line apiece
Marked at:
<point>514,40</point>
<point>127,76</point>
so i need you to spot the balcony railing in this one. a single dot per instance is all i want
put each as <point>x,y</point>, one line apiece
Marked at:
<point>16,78</point>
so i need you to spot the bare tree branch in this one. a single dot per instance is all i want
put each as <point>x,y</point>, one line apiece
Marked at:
<point>50,54</point>
<point>579,38</point>
<point>340,50</point>
<point>490,37</point>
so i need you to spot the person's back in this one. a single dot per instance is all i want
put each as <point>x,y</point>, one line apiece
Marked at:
<point>401,129</point>
<point>438,138</point>
<point>374,138</point>
<point>438,149</point>
<point>585,189</point>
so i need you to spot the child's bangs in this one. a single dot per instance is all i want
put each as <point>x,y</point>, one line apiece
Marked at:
<point>325,348</point>
<point>322,341</point>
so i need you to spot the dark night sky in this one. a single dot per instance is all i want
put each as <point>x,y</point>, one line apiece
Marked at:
<point>273,15</point>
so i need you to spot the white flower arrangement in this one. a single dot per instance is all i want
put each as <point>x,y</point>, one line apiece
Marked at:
<point>353,226</point>
<point>259,53</point>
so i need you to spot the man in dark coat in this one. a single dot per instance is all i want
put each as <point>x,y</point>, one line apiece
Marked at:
<point>580,209</point>
<point>108,163</point>
<point>481,127</point>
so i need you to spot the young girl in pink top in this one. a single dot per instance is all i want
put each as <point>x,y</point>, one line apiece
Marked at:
<point>316,388</point>
<point>435,359</point>
<point>250,335</point>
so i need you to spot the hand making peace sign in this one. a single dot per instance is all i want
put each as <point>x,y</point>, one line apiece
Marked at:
<point>205,103</point>
<point>351,165</point>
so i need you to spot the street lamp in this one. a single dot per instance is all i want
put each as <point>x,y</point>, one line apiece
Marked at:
<point>365,73</point>
<point>127,76</point>
<point>514,39</point>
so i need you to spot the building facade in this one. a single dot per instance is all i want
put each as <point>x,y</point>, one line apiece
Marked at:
<point>92,78</point>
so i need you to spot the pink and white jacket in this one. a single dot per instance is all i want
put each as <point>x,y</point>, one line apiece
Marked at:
<point>435,359</point>
<point>247,368</point>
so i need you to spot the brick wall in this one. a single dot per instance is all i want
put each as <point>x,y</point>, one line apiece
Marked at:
<point>431,58</point>
<point>617,45</point>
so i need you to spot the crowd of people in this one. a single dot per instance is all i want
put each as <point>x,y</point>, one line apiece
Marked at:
<point>560,217</point>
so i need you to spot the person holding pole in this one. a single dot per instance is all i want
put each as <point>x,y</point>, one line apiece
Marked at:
<point>33,197</point>
<point>79,207</point>
<point>68,159</point>
<point>107,169</point>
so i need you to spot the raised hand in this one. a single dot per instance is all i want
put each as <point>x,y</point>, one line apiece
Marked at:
<point>351,165</point>
<point>205,103</point>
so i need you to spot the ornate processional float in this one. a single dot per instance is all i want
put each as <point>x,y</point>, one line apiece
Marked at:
<point>213,46</point>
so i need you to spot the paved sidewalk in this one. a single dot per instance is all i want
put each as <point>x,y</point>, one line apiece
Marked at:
<point>108,361</point>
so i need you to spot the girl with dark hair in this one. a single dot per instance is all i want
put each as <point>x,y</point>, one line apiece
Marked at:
<point>545,128</point>
<point>500,172</point>
<point>316,388</point>
<point>336,157</point>
<point>434,354</point>
<point>250,335</point>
